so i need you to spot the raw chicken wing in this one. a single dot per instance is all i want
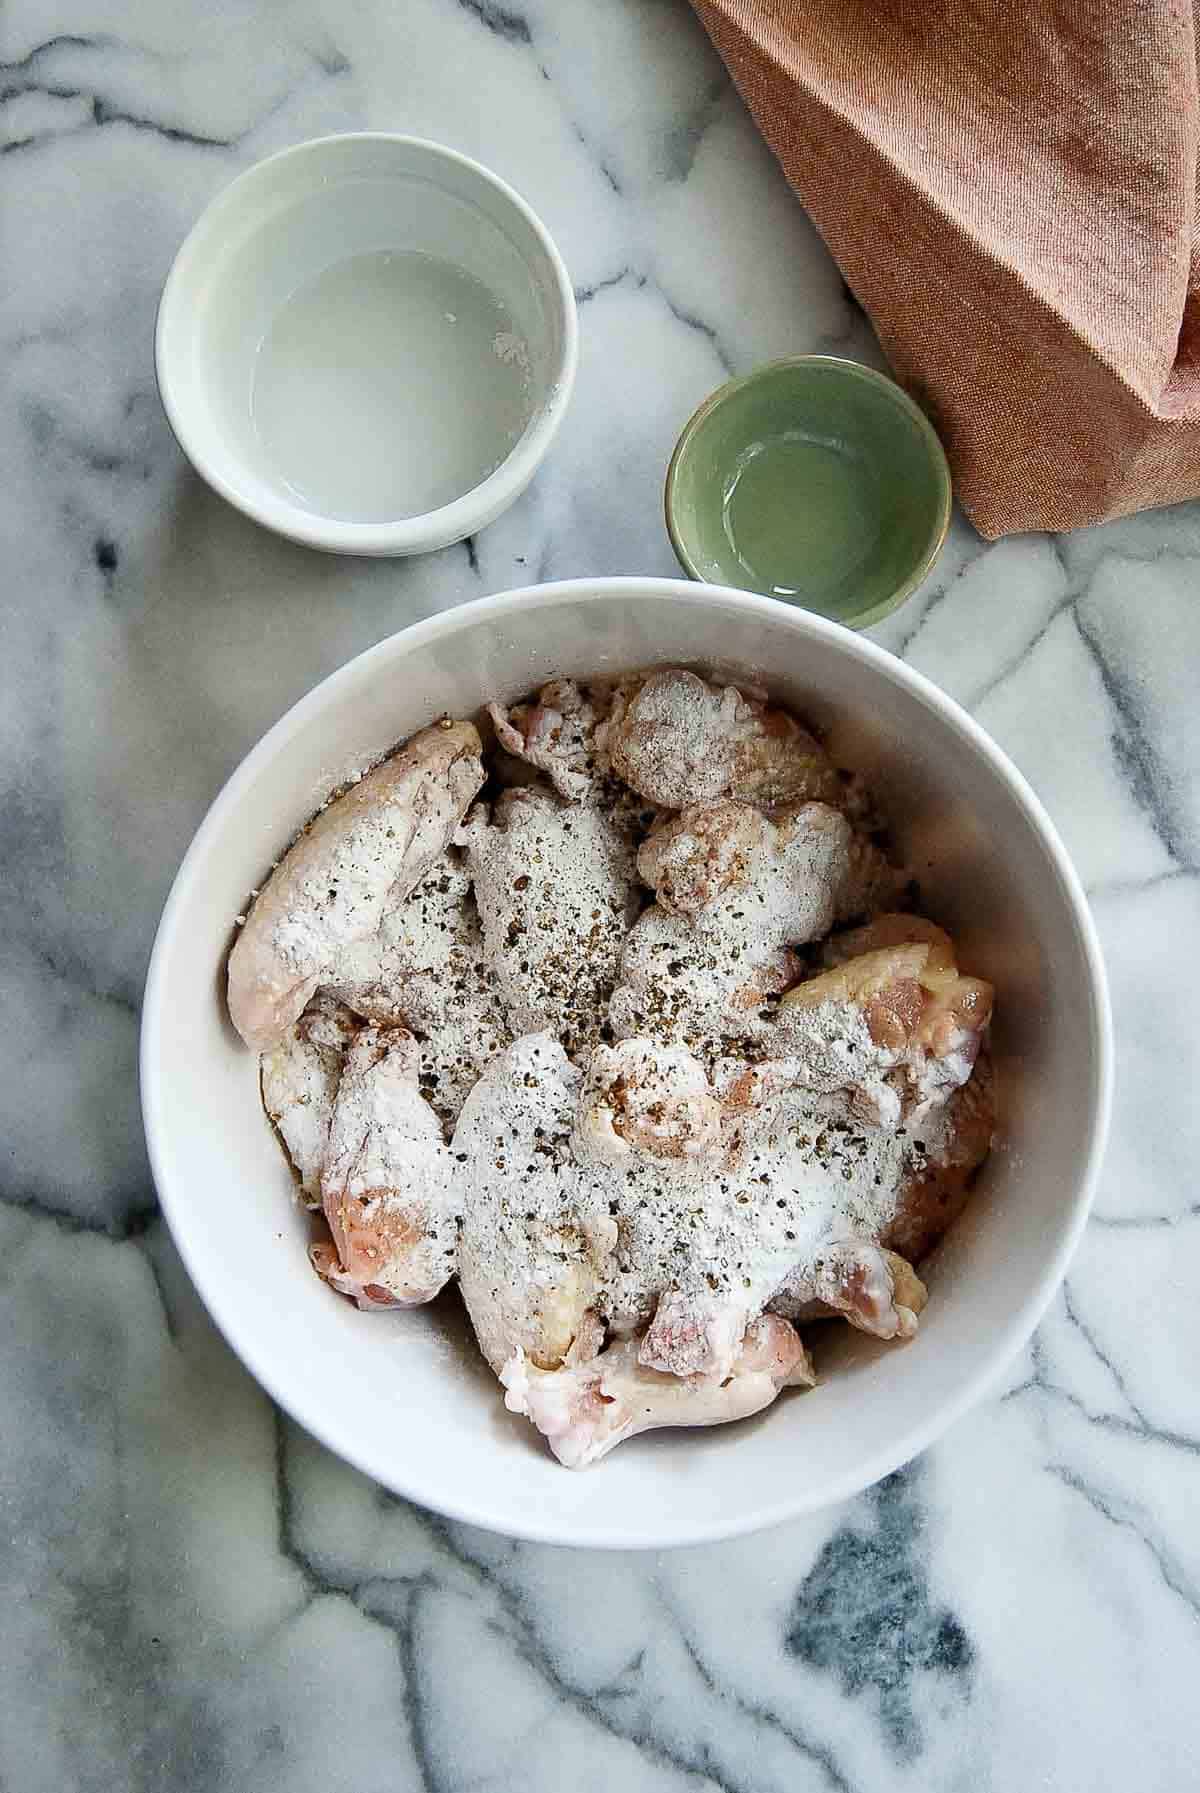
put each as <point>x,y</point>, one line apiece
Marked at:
<point>300,1080</point>
<point>736,892</point>
<point>896,1026</point>
<point>646,1102</point>
<point>556,889</point>
<point>425,970</point>
<point>585,1409</point>
<point>363,853</point>
<point>386,1183</point>
<point>877,1291</point>
<point>683,1116</point>
<point>678,740</point>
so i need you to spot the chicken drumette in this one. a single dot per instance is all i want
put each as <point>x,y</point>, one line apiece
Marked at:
<point>386,1185</point>
<point>643,1102</point>
<point>736,892</point>
<point>893,1024</point>
<point>536,1234</point>
<point>300,1080</point>
<point>678,740</point>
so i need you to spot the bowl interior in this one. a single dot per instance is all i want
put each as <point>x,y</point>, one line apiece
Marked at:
<point>814,480</point>
<point>404,1395</point>
<point>362,329</point>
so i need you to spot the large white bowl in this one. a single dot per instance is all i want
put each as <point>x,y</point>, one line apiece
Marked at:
<point>404,1396</point>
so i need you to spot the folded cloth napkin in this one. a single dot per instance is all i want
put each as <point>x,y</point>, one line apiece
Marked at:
<point>1010,192</point>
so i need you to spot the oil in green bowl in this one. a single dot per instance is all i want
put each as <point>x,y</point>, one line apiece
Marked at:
<point>815,480</point>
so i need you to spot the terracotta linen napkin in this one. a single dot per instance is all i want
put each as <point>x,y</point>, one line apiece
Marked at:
<point>1010,191</point>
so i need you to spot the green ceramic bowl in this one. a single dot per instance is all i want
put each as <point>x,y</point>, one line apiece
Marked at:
<point>816,480</point>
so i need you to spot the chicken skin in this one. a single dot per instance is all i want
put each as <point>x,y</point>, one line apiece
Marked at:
<point>556,888</point>
<point>736,892</point>
<point>426,970</point>
<point>896,1026</point>
<point>300,1081</point>
<point>678,740</point>
<point>555,734</point>
<point>386,1186</point>
<point>585,1409</point>
<point>362,854</point>
<point>645,1102</point>
<point>876,1290</point>
<point>947,1152</point>
<point>536,1235</point>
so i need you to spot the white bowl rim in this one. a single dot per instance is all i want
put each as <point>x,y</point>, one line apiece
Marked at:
<point>422,1488</point>
<point>449,523</point>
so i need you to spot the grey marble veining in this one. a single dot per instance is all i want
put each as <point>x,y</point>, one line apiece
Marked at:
<point>197,1596</point>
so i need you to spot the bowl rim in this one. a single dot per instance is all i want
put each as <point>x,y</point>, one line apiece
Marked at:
<point>872,376</point>
<point>471,1508</point>
<point>428,530</point>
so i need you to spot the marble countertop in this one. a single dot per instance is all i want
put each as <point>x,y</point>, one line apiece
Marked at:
<point>196,1595</point>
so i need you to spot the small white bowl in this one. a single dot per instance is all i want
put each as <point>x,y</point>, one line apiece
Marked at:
<point>406,1396</point>
<point>367,343</point>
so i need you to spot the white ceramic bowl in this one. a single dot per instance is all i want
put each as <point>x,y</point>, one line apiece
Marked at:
<point>367,343</point>
<point>405,1396</point>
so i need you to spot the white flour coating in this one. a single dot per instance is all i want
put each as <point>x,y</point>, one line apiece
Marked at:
<point>386,1182</point>
<point>669,737</point>
<point>374,864</point>
<point>367,849</point>
<point>300,1082</point>
<point>705,976</point>
<point>677,740</point>
<point>426,969</point>
<point>805,1176</point>
<point>698,987</point>
<point>797,1176</point>
<point>829,1048</point>
<point>535,1236</point>
<point>644,1100</point>
<point>556,888</point>
<point>557,735</point>
<point>692,859</point>
<point>801,1173</point>
<point>896,1027</point>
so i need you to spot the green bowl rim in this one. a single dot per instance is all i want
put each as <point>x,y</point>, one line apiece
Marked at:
<point>857,370</point>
